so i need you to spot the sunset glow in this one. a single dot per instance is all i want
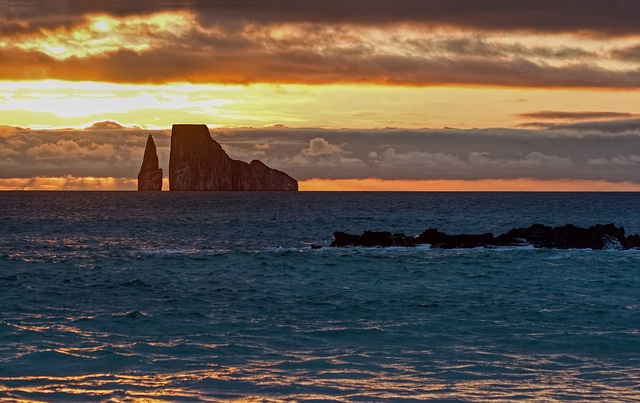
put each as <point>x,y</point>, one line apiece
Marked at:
<point>103,34</point>
<point>57,104</point>
<point>398,70</point>
<point>487,185</point>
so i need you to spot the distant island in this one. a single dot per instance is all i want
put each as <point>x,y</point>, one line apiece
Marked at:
<point>198,163</point>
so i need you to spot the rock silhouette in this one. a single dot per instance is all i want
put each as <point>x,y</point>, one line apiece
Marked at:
<point>568,236</point>
<point>197,162</point>
<point>150,175</point>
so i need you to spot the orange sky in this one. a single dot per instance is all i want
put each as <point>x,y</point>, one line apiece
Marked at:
<point>488,70</point>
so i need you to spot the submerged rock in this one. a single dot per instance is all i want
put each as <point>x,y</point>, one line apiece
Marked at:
<point>372,238</point>
<point>197,162</point>
<point>439,239</point>
<point>150,175</point>
<point>540,236</point>
<point>569,236</point>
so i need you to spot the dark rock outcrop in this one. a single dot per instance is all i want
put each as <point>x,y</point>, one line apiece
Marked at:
<point>150,175</point>
<point>439,239</point>
<point>569,236</point>
<point>540,236</point>
<point>197,162</point>
<point>372,238</point>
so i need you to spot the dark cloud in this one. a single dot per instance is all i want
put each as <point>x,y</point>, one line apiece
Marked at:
<point>251,64</point>
<point>610,17</point>
<point>598,126</point>
<point>34,21</point>
<point>476,45</point>
<point>105,125</point>
<point>630,53</point>
<point>311,52</point>
<point>441,154</point>
<point>102,150</point>
<point>562,115</point>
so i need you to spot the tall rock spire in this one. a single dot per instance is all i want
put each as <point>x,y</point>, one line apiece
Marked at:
<point>150,176</point>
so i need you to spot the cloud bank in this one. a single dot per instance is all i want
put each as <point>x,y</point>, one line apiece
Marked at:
<point>598,151</point>
<point>571,44</point>
<point>611,17</point>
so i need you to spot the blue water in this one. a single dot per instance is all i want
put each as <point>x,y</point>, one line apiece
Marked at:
<point>120,296</point>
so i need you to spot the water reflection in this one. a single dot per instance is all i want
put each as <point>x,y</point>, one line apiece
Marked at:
<point>264,380</point>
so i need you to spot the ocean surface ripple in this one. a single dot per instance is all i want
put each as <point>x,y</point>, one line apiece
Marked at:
<point>120,296</point>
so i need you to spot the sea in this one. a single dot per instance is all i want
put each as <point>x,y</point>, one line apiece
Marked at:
<point>216,297</point>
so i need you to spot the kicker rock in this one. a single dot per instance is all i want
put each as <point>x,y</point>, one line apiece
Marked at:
<point>197,162</point>
<point>150,176</point>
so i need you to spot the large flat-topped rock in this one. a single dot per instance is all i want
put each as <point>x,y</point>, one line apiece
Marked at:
<point>197,162</point>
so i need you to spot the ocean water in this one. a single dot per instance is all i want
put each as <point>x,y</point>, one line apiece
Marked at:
<point>126,296</point>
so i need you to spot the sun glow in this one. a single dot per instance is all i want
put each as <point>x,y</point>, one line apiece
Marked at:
<point>102,24</point>
<point>59,104</point>
<point>73,104</point>
<point>101,34</point>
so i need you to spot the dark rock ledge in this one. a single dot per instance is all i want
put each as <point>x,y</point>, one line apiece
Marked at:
<point>568,236</point>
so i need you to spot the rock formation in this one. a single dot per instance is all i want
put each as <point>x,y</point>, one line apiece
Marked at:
<point>150,175</point>
<point>540,236</point>
<point>197,162</point>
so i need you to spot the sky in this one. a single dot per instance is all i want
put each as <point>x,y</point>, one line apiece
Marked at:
<point>464,95</point>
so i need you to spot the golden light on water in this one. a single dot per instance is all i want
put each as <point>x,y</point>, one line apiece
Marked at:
<point>462,382</point>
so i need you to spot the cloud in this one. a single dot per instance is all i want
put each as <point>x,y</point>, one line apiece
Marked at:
<point>321,147</point>
<point>387,154</point>
<point>105,125</point>
<point>612,17</point>
<point>534,159</point>
<point>454,154</point>
<point>63,149</point>
<point>183,45</point>
<point>390,158</point>
<point>26,153</point>
<point>291,65</point>
<point>102,34</point>
<point>628,53</point>
<point>600,126</point>
<point>320,154</point>
<point>625,160</point>
<point>563,115</point>
<point>8,131</point>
